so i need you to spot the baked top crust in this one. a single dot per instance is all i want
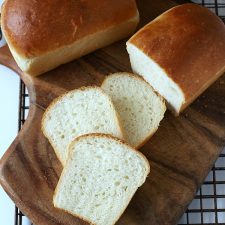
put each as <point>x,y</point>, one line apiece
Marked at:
<point>188,43</point>
<point>34,27</point>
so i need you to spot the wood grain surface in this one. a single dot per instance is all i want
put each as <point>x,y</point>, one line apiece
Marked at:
<point>181,153</point>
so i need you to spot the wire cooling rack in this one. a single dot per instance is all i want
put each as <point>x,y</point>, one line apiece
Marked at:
<point>208,207</point>
<point>23,112</point>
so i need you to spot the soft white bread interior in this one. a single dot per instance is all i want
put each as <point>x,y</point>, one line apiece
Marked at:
<point>41,39</point>
<point>139,107</point>
<point>81,111</point>
<point>99,179</point>
<point>180,53</point>
<point>155,75</point>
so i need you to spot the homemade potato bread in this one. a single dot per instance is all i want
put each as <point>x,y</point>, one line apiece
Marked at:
<point>139,107</point>
<point>44,34</point>
<point>180,53</point>
<point>101,175</point>
<point>78,112</point>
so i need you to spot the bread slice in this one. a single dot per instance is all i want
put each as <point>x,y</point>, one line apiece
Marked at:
<point>139,107</point>
<point>180,53</point>
<point>101,175</point>
<point>81,111</point>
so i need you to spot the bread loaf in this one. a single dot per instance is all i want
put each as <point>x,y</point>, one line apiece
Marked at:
<point>44,34</point>
<point>180,53</point>
<point>81,111</point>
<point>139,107</point>
<point>99,179</point>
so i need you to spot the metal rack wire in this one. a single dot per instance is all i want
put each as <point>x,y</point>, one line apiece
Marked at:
<point>208,207</point>
<point>23,112</point>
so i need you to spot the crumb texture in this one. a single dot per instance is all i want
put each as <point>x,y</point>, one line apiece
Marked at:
<point>144,66</point>
<point>139,107</point>
<point>100,178</point>
<point>79,112</point>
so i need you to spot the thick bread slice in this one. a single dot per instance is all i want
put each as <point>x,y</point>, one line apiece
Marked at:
<point>81,111</point>
<point>139,107</point>
<point>180,53</point>
<point>101,175</point>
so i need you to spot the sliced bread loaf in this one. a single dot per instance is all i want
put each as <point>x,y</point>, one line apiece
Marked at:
<point>180,53</point>
<point>99,179</point>
<point>138,106</point>
<point>81,111</point>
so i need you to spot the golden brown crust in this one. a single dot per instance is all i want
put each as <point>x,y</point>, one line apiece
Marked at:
<point>146,139</point>
<point>188,42</point>
<point>34,27</point>
<point>52,104</point>
<point>73,214</point>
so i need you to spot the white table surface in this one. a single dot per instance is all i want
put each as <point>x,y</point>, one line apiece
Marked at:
<point>9,102</point>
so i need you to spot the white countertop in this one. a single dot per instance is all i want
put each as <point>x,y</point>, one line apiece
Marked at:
<point>9,105</point>
<point>9,101</point>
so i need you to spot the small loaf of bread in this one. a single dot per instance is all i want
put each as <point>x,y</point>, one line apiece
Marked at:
<point>180,53</point>
<point>99,179</point>
<point>81,111</point>
<point>44,34</point>
<point>139,107</point>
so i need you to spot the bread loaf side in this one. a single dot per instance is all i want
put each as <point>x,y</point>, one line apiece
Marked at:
<point>180,53</point>
<point>45,34</point>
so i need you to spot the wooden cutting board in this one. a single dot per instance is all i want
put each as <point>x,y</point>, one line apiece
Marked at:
<point>181,153</point>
